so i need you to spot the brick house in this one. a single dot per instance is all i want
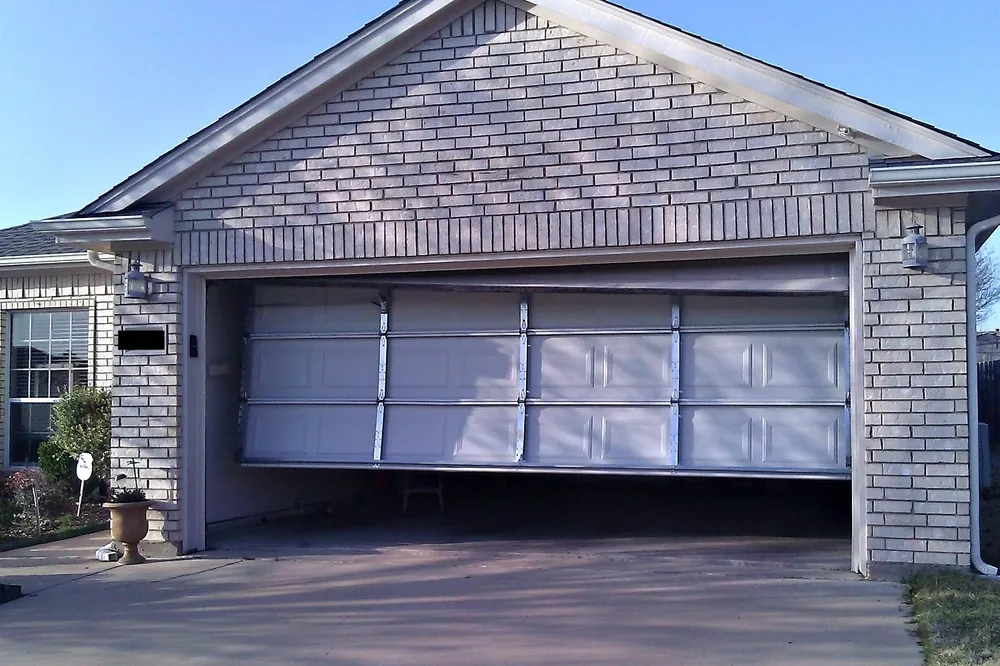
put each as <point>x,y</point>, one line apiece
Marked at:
<point>549,236</point>
<point>56,330</point>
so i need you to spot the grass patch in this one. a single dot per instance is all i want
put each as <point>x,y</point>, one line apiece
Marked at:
<point>957,617</point>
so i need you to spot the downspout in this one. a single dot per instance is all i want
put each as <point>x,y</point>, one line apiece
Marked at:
<point>95,260</point>
<point>973,381</point>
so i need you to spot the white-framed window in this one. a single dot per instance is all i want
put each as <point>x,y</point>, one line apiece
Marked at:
<point>49,354</point>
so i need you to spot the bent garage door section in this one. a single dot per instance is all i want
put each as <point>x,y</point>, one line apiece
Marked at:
<point>632,382</point>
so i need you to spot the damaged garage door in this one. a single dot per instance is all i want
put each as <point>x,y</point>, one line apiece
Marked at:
<point>403,376</point>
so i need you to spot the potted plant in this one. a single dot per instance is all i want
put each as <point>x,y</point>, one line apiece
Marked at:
<point>129,523</point>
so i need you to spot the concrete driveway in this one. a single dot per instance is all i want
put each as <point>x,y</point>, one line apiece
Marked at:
<point>625,601</point>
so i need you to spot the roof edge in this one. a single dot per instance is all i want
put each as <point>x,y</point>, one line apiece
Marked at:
<point>147,229</point>
<point>287,93</point>
<point>863,122</point>
<point>880,130</point>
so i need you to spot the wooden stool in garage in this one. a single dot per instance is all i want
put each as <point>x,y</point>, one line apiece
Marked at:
<point>422,483</point>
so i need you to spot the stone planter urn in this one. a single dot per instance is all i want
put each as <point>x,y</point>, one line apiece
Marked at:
<point>129,526</point>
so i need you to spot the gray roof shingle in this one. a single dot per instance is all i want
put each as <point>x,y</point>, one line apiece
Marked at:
<point>23,240</point>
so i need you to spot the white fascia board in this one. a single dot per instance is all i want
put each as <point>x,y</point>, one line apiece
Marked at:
<point>878,130</point>
<point>43,262</point>
<point>275,100</point>
<point>894,182</point>
<point>109,232</point>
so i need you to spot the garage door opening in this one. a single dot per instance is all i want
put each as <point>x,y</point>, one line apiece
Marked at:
<point>737,371</point>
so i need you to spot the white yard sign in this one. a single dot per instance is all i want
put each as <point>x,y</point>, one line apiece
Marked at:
<point>84,470</point>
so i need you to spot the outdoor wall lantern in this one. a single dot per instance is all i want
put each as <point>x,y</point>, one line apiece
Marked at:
<point>136,283</point>
<point>914,248</point>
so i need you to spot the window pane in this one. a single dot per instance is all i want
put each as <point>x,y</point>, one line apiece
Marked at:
<point>40,420</point>
<point>59,354</point>
<point>40,325</point>
<point>39,354</point>
<point>61,325</point>
<point>58,382</point>
<point>79,359</point>
<point>19,385</point>
<point>81,319</point>
<point>80,378</point>
<point>22,327</point>
<point>20,357</point>
<point>39,384</point>
<point>24,448</point>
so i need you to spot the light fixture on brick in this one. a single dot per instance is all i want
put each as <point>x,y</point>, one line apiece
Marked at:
<point>136,283</point>
<point>914,254</point>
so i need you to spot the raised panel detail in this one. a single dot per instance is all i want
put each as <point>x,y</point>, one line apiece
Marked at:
<point>802,437</point>
<point>763,437</point>
<point>761,367</point>
<point>611,436</point>
<point>716,437</point>
<point>596,367</point>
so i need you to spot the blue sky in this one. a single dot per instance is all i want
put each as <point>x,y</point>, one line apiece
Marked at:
<point>92,91</point>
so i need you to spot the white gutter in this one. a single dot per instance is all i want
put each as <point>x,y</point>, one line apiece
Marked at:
<point>43,261</point>
<point>973,381</point>
<point>900,181</point>
<point>95,260</point>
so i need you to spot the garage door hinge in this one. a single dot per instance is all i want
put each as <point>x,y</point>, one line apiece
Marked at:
<point>848,461</point>
<point>847,399</point>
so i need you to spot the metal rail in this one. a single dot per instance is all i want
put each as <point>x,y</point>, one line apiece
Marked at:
<point>673,453</point>
<point>763,328</point>
<point>522,382</point>
<point>534,468</point>
<point>383,366</point>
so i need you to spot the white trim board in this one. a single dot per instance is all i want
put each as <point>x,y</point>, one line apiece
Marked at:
<point>405,25</point>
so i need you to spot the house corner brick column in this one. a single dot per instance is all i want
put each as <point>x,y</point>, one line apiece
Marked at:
<point>916,392</point>
<point>145,412</point>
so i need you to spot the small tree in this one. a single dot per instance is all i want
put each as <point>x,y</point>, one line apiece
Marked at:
<point>81,422</point>
<point>987,285</point>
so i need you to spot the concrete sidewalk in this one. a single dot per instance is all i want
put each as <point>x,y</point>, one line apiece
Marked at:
<point>443,604</point>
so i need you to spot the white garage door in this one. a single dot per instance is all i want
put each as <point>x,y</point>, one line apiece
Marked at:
<point>643,383</point>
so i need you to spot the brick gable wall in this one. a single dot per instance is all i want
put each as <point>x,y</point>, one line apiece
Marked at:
<point>504,133</point>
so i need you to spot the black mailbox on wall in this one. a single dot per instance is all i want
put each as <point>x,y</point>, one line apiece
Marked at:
<point>143,339</point>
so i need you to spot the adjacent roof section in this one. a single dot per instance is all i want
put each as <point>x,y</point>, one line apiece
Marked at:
<point>22,240</point>
<point>882,131</point>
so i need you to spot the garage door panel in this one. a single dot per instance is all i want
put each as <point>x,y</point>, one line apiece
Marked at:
<point>715,365</point>
<point>804,366</point>
<point>450,434</point>
<point>800,437</point>
<point>555,311</point>
<point>794,366</point>
<point>315,310</point>
<point>716,437</point>
<point>314,369</point>
<point>613,436</point>
<point>453,368</point>
<point>595,367</point>
<point>310,433</point>
<point>412,311</point>
<point>763,310</point>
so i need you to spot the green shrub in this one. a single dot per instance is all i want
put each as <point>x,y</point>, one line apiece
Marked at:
<point>81,422</point>
<point>56,463</point>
